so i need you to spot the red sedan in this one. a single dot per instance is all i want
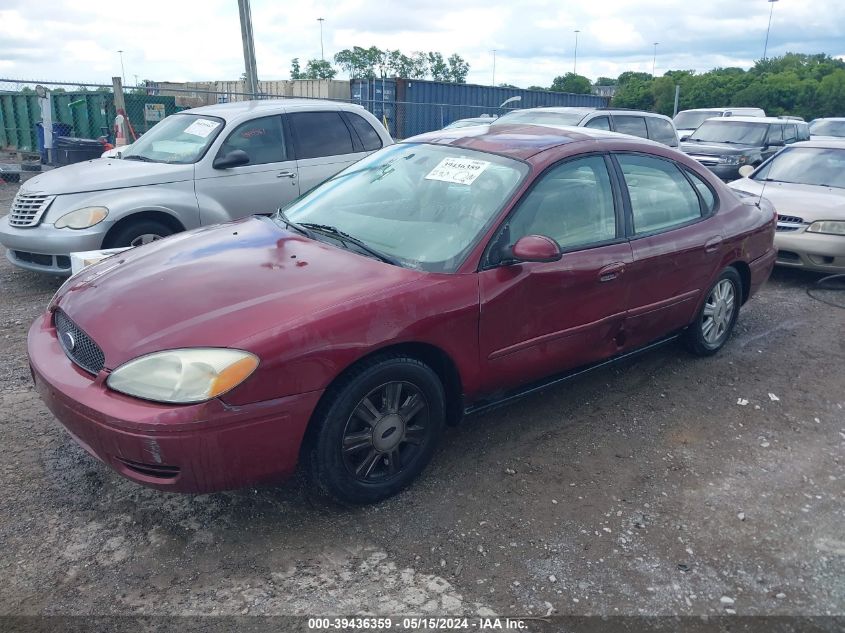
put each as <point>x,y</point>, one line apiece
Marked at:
<point>435,278</point>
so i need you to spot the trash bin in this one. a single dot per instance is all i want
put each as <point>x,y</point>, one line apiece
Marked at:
<point>68,150</point>
<point>59,129</point>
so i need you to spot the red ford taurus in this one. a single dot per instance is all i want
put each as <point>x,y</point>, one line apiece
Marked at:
<point>435,278</point>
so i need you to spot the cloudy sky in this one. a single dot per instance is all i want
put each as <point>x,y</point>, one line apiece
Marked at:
<point>192,40</point>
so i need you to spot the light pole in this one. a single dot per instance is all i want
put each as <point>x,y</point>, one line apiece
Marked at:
<point>494,66</point>
<point>575,60</point>
<point>122,72</point>
<point>654,59</point>
<point>321,20</point>
<point>769,28</point>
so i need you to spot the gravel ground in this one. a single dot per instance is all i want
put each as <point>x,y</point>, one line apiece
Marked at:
<point>644,489</point>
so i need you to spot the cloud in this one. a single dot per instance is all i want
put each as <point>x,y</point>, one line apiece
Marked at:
<point>74,41</point>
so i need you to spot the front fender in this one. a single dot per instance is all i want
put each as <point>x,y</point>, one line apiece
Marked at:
<point>176,199</point>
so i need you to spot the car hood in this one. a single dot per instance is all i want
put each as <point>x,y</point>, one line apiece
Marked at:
<point>717,149</point>
<point>218,287</point>
<point>105,173</point>
<point>810,202</point>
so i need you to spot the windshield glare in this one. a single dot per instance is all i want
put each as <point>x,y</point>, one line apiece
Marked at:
<point>179,138</point>
<point>539,117</point>
<point>828,128</point>
<point>806,166</point>
<point>423,205</point>
<point>691,120</point>
<point>727,131</point>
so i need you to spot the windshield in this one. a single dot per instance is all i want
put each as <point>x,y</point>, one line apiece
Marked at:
<point>806,166</point>
<point>539,117</point>
<point>691,120</point>
<point>727,131</point>
<point>424,206</point>
<point>469,123</point>
<point>828,128</point>
<point>179,138</point>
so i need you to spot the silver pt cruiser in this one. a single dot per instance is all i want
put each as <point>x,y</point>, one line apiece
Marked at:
<point>198,167</point>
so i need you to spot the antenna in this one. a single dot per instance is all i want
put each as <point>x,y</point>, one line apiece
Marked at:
<point>762,191</point>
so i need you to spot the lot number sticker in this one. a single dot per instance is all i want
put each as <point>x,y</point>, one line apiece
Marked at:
<point>202,127</point>
<point>462,171</point>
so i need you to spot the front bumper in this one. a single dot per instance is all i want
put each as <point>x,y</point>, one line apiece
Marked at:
<point>812,251</point>
<point>197,448</point>
<point>46,249</point>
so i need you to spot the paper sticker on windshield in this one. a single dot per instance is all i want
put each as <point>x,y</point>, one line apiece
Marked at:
<point>202,127</point>
<point>462,171</point>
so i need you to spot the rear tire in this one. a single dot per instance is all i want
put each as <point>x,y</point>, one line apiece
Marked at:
<point>714,323</point>
<point>376,430</point>
<point>138,233</point>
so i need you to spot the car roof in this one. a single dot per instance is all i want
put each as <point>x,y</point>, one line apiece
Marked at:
<point>237,109</point>
<point>751,119</point>
<point>821,144</point>
<point>829,118</point>
<point>520,141</point>
<point>720,109</point>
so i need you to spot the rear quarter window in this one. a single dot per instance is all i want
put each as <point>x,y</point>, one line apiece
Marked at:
<point>661,130</point>
<point>369,137</point>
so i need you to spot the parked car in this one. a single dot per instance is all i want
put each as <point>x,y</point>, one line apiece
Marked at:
<point>478,120</point>
<point>806,184</point>
<point>828,128</point>
<point>634,122</point>
<point>440,276</point>
<point>725,145</point>
<point>687,121</point>
<point>197,167</point>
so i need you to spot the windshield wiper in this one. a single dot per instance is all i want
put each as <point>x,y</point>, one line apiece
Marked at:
<point>293,225</point>
<point>141,157</point>
<point>346,238</point>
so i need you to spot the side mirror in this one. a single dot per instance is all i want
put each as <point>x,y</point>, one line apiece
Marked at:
<point>685,137</point>
<point>536,248</point>
<point>776,143</point>
<point>746,170</point>
<point>235,158</point>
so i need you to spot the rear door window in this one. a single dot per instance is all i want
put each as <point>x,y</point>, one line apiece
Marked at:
<point>661,130</point>
<point>775,133</point>
<point>790,133</point>
<point>369,137</point>
<point>319,134</point>
<point>627,124</point>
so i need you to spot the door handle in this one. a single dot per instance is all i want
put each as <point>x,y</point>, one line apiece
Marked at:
<point>712,245</point>
<point>611,271</point>
<point>286,174</point>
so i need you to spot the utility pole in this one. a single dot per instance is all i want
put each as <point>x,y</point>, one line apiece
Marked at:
<point>494,67</point>
<point>250,67</point>
<point>769,28</point>
<point>122,72</point>
<point>321,20</point>
<point>654,59</point>
<point>575,60</point>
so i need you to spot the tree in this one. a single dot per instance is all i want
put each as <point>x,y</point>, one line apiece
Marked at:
<point>318,69</point>
<point>831,94</point>
<point>570,82</point>
<point>458,69</point>
<point>437,67</point>
<point>295,70</point>
<point>605,81</point>
<point>360,62</point>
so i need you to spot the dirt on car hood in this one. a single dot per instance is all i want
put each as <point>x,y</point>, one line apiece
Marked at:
<point>217,287</point>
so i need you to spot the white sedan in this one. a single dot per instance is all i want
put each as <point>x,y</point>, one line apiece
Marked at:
<point>806,183</point>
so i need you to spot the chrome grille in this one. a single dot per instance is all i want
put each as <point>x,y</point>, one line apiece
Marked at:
<point>27,209</point>
<point>790,223</point>
<point>77,344</point>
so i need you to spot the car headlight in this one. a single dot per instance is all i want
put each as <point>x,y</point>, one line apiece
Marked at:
<point>733,160</point>
<point>830,227</point>
<point>183,375</point>
<point>82,218</point>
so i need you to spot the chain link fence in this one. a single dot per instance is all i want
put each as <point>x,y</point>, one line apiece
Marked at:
<point>88,111</point>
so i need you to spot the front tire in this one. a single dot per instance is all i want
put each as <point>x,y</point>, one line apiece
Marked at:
<point>715,321</point>
<point>138,233</point>
<point>376,430</point>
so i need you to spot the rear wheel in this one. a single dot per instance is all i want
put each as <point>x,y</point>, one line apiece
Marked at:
<point>716,319</point>
<point>377,430</point>
<point>139,233</point>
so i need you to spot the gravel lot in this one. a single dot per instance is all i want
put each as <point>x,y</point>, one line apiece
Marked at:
<point>643,489</point>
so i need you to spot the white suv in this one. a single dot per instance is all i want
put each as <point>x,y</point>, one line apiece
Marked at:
<point>687,121</point>
<point>202,166</point>
<point>633,122</point>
